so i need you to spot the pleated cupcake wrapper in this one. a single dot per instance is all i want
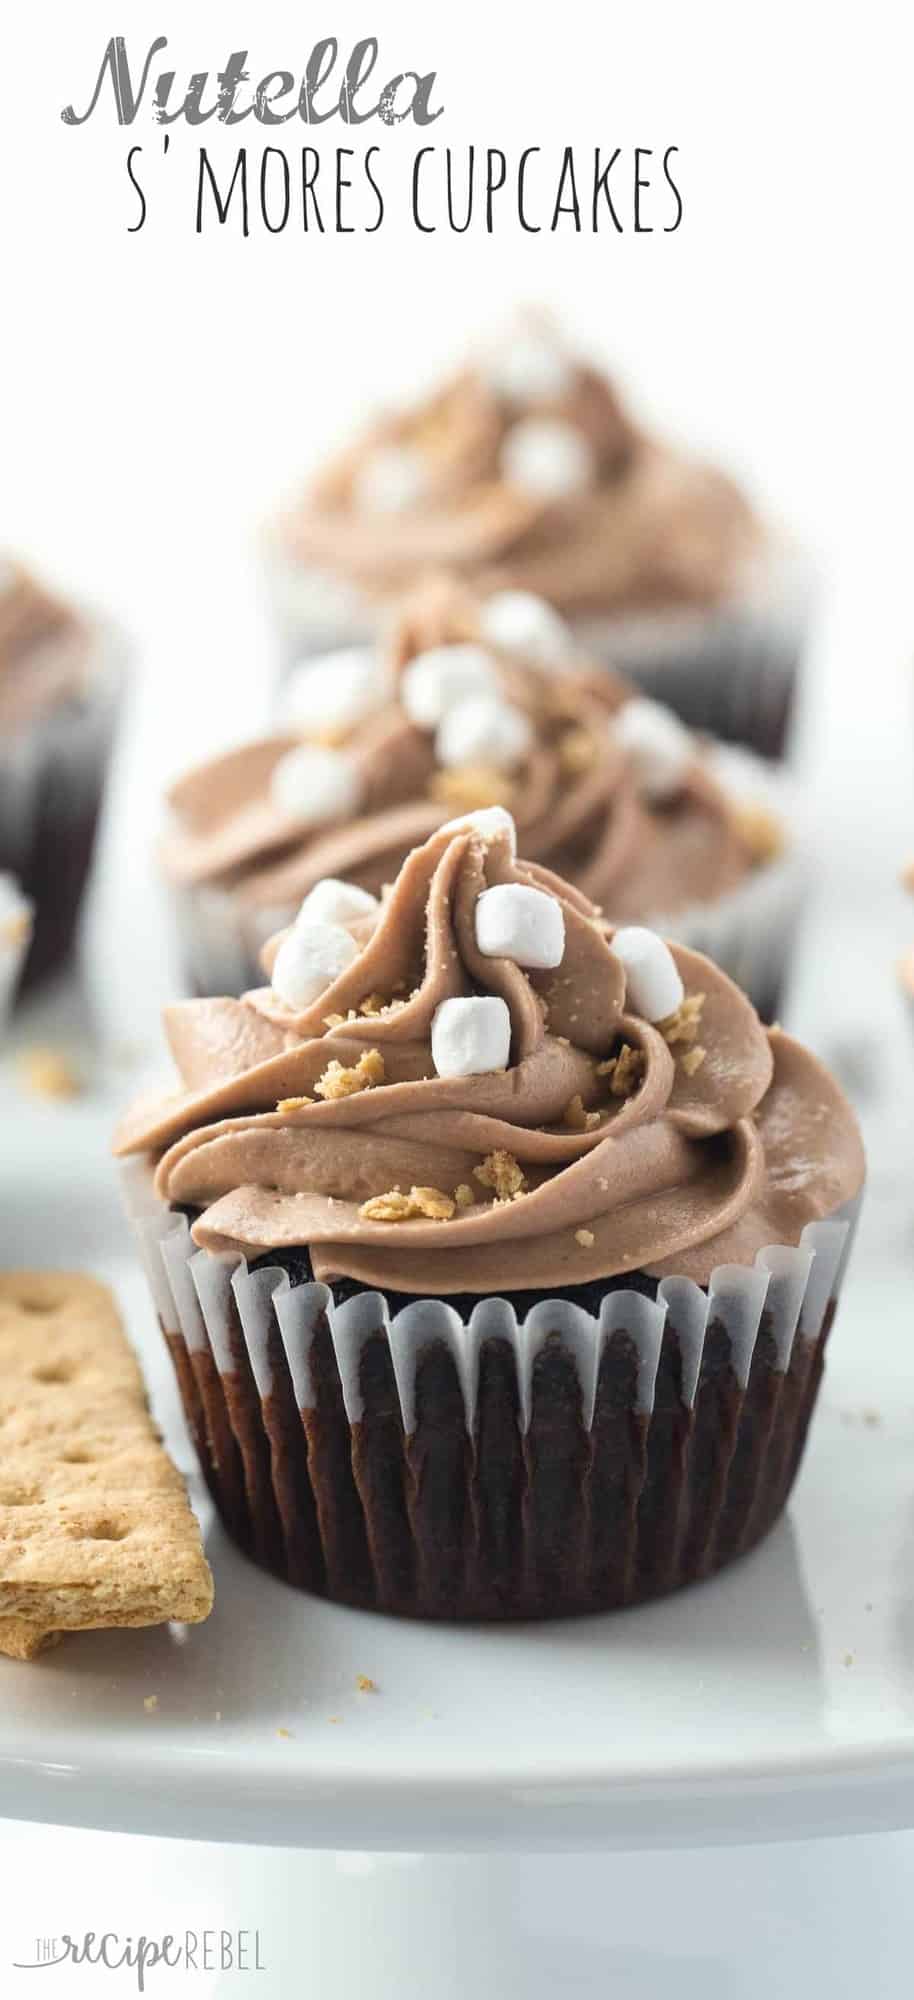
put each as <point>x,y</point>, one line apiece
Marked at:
<point>492,1466</point>
<point>15,936</point>
<point>730,671</point>
<point>749,931</point>
<point>52,772</point>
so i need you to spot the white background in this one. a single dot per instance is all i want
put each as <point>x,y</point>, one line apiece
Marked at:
<point>162,390</point>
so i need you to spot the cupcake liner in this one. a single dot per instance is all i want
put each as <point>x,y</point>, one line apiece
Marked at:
<point>749,931</point>
<point>51,779</point>
<point>446,1465</point>
<point>730,671</point>
<point>15,936</point>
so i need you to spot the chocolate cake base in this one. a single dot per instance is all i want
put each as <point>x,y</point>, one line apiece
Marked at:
<point>51,784</point>
<point>500,1522</point>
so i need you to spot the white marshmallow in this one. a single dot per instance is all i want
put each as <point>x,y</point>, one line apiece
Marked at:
<point>315,785</point>
<point>437,680</point>
<point>525,924</point>
<point>309,960</point>
<point>490,822</point>
<point>471,1037</point>
<point>334,902</point>
<point>548,457</point>
<point>483,730</point>
<point>392,479</point>
<point>523,623</point>
<point>338,690</point>
<point>525,366</point>
<point>659,745</point>
<point>653,987</point>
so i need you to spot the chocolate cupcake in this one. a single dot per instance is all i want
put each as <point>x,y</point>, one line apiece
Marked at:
<point>496,1256</point>
<point>527,472</point>
<point>474,703</point>
<point>60,676</point>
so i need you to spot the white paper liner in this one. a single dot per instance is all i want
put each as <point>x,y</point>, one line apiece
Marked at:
<point>15,935</point>
<point>194,1291</point>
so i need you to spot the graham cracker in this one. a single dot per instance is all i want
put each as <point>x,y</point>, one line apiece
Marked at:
<point>95,1524</point>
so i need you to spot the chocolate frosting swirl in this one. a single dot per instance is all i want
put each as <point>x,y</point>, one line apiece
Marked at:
<point>654,528</point>
<point>575,798</point>
<point>695,1167</point>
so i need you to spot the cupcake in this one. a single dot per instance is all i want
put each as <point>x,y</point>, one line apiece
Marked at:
<point>15,937</point>
<point>527,472</point>
<point>476,702</point>
<point>59,684</point>
<point>496,1255</point>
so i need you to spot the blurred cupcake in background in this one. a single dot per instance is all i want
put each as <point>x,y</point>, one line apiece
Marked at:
<point>528,472</point>
<point>60,678</point>
<point>15,936</point>
<point>475,703</point>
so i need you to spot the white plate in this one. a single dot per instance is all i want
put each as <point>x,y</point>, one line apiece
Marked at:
<point>777,1699</point>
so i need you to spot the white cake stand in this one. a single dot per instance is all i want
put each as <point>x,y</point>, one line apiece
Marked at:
<point>775,1701</point>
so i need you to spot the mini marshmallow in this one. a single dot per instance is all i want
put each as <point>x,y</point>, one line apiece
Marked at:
<point>333,902</point>
<point>315,785</point>
<point>653,987</point>
<point>337,690</point>
<point>660,747</point>
<point>548,457</point>
<point>527,367</point>
<point>392,479</point>
<point>309,960</point>
<point>471,1037</point>
<point>483,730</point>
<point>490,822</point>
<point>524,924</point>
<point>437,680</point>
<point>523,623</point>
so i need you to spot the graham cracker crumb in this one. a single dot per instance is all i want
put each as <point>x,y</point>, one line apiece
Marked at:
<point>577,751</point>
<point>464,1196</point>
<point>762,833</point>
<point>334,1020</point>
<point>501,1171</point>
<point>365,1684</point>
<point>624,1070</point>
<point>585,1237</point>
<point>287,1733</point>
<point>339,1082</point>
<point>373,1003</point>
<point>47,1072</point>
<point>151,1703</point>
<point>287,1104</point>
<point>427,1202</point>
<point>15,929</point>
<point>576,1118</point>
<point>471,787</point>
<point>693,1059</point>
<point>682,1025</point>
